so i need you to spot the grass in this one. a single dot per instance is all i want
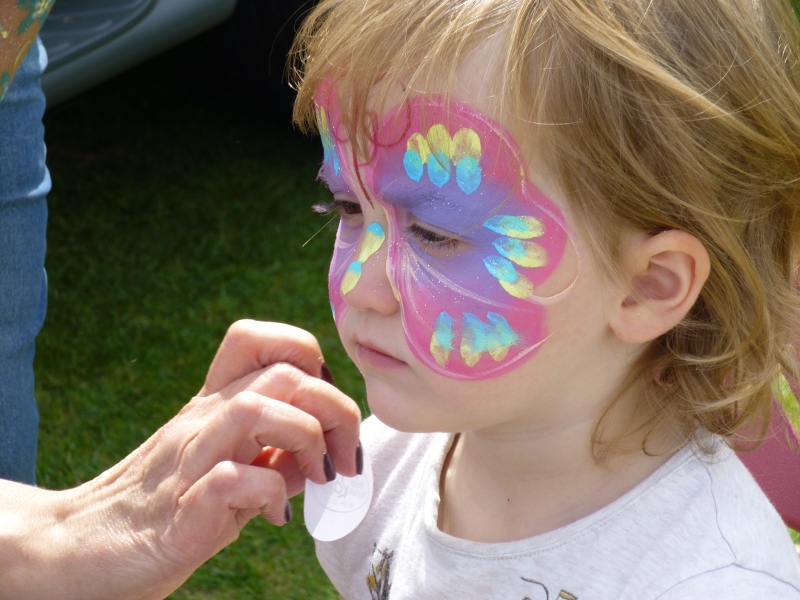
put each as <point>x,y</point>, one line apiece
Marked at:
<point>180,204</point>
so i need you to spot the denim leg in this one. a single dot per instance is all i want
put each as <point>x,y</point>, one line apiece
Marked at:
<point>24,183</point>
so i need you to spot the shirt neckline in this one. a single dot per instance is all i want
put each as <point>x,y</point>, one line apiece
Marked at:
<point>433,467</point>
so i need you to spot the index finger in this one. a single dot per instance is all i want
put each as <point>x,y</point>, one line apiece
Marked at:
<point>338,414</point>
<point>250,345</point>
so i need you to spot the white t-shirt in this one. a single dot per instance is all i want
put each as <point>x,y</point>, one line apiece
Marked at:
<point>697,528</point>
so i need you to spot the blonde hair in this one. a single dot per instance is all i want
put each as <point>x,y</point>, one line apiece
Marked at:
<point>673,114</point>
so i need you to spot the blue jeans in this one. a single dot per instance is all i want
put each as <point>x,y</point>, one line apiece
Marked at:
<point>24,183</point>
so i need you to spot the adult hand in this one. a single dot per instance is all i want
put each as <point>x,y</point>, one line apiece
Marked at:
<point>142,527</point>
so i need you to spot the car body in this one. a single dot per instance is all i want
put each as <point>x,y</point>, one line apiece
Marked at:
<point>88,41</point>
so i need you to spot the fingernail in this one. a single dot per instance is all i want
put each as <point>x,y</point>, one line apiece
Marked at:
<point>359,459</point>
<point>326,375</point>
<point>330,471</point>
<point>287,513</point>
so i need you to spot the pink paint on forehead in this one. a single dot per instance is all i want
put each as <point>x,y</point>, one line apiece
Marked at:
<point>474,313</point>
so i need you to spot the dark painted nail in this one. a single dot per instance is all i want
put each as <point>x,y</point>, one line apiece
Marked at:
<point>326,375</point>
<point>359,459</point>
<point>287,513</point>
<point>330,471</point>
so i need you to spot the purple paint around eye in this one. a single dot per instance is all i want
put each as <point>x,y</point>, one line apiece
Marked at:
<point>472,313</point>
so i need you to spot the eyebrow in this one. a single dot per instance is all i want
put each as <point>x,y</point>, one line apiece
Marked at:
<point>406,197</point>
<point>432,198</point>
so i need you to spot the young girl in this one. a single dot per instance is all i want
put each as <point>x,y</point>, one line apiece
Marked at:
<point>566,267</point>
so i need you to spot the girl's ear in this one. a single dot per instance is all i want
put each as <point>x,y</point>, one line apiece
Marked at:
<point>665,274</point>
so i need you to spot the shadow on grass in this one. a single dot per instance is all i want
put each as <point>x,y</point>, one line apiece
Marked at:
<point>180,203</point>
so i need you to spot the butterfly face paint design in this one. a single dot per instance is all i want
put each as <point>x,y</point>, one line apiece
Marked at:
<point>468,288</point>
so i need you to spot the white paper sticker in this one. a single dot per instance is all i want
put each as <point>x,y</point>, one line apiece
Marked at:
<point>335,509</point>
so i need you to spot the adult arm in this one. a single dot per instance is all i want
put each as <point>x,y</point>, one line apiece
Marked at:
<point>142,527</point>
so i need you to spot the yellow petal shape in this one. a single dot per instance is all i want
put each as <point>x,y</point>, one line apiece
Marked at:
<point>439,140</point>
<point>322,119</point>
<point>524,227</point>
<point>442,339</point>
<point>521,252</point>
<point>521,288</point>
<point>373,240</point>
<point>419,144</point>
<point>499,353</point>
<point>351,277</point>
<point>470,357</point>
<point>466,143</point>
<point>440,355</point>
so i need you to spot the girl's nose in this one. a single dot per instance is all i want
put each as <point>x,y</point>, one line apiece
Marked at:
<point>366,284</point>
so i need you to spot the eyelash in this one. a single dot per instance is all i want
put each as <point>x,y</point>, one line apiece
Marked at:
<point>430,238</point>
<point>424,236</point>
<point>343,207</point>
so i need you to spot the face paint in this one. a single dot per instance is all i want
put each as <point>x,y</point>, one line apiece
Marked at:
<point>470,304</point>
<point>373,240</point>
<point>349,255</point>
<point>329,152</point>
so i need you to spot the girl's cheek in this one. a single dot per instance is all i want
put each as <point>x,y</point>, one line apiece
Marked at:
<point>464,332</point>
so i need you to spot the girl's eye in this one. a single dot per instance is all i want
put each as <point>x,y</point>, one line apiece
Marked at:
<point>348,208</point>
<point>343,207</point>
<point>433,242</point>
<point>349,211</point>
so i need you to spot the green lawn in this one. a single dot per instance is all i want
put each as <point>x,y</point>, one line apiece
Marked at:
<point>180,204</point>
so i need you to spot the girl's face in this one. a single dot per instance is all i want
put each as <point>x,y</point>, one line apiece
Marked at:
<point>468,242</point>
<point>448,259</point>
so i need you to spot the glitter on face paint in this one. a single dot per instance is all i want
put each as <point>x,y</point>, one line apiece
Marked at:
<point>503,270</point>
<point>442,339</point>
<point>495,337</point>
<point>351,277</point>
<point>437,149</point>
<point>330,155</point>
<point>524,227</point>
<point>521,252</point>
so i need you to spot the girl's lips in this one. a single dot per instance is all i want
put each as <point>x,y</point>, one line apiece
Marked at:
<point>376,358</point>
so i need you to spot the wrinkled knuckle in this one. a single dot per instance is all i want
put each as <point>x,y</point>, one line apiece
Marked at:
<point>274,487</point>
<point>286,372</point>
<point>223,477</point>
<point>244,407</point>
<point>311,428</point>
